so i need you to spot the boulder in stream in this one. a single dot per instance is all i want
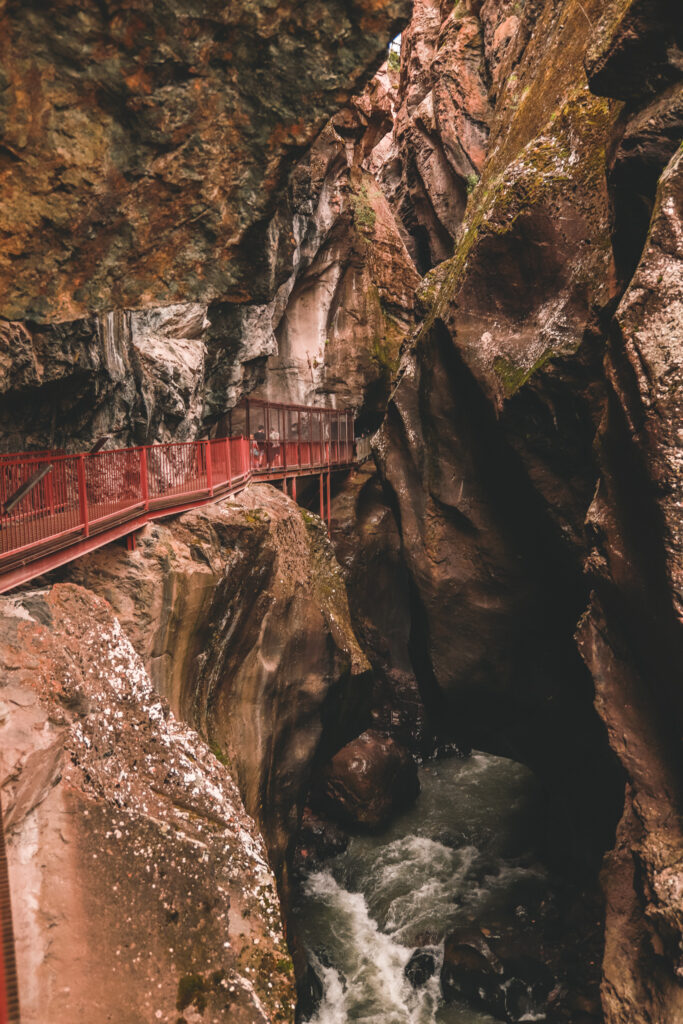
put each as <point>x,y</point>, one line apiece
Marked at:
<point>367,781</point>
<point>420,968</point>
<point>471,971</point>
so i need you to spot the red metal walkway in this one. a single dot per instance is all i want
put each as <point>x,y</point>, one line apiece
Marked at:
<point>77,503</point>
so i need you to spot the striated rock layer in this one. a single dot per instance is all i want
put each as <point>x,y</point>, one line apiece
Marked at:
<point>140,888</point>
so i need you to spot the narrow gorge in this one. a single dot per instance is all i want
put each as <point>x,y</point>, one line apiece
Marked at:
<point>341,512</point>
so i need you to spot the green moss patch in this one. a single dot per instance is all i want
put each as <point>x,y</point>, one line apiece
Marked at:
<point>364,216</point>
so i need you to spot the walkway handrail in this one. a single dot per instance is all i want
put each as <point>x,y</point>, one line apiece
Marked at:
<point>72,503</point>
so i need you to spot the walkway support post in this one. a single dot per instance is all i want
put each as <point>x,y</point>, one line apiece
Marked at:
<point>227,460</point>
<point>329,512</point>
<point>322,501</point>
<point>144,483</point>
<point>209,471</point>
<point>83,495</point>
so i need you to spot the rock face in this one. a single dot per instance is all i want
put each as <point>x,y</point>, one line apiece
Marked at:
<point>348,304</point>
<point>367,781</point>
<point>632,634</point>
<point>531,448</point>
<point>442,126</point>
<point>325,327</point>
<point>144,149</point>
<point>487,446</point>
<point>240,615</point>
<point>368,545</point>
<point>140,888</point>
<point>137,377</point>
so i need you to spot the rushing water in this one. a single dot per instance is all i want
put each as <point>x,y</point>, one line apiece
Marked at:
<point>463,855</point>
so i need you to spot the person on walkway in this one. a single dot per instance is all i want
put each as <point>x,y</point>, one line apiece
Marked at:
<point>260,437</point>
<point>274,447</point>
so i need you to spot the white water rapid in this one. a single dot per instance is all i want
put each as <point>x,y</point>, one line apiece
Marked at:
<point>462,856</point>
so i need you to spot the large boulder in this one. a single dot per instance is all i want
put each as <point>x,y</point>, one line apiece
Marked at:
<point>367,781</point>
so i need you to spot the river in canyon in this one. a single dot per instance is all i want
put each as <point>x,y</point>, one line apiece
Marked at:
<point>465,856</point>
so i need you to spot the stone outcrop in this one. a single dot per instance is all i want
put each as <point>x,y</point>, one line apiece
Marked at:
<point>144,150</point>
<point>140,887</point>
<point>240,615</point>
<point>367,543</point>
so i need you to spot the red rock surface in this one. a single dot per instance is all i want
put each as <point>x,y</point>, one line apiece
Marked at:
<point>140,888</point>
<point>144,147</point>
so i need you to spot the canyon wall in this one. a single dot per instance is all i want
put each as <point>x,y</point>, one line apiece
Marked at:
<point>325,328</point>
<point>531,447</point>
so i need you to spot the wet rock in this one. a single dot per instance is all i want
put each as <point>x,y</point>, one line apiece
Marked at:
<point>491,973</point>
<point>309,994</point>
<point>420,968</point>
<point>318,839</point>
<point>472,972</point>
<point>367,781</point>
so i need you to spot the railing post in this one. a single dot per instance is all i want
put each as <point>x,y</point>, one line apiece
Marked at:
<point>329,511</point>
<point>209,472</point>
<point>83,495</point>
<point>228,462</point>
<point>322,500</point>
<point>299,436</point>
<point>144,483</point>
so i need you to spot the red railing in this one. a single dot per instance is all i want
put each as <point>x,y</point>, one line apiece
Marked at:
<point>110,493</point>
